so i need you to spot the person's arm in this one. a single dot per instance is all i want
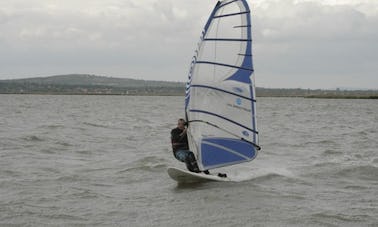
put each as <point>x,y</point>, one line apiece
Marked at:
<point>183,134</point>
<point>175,136</point>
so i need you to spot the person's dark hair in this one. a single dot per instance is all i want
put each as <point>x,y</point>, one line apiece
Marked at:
<point>185,123</point>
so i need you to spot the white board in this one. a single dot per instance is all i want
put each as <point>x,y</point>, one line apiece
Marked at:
<point>185,176</point>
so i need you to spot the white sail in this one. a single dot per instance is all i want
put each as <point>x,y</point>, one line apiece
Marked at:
<point>220,96</point>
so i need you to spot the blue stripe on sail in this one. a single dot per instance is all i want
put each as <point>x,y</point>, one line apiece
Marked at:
<point>218,89</point>
<point>253,114</point>
<point>248,62</point>
<point>225,65</point>
<point>241,75</point>
<point>193,63</point>
<point>187,87</point>
<point>217,152</point>
<point>216,8</point>
<point>243,148</point>
<point>224,118</point>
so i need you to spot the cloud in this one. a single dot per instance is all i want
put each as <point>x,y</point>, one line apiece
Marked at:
<point>296,43</point>
<point>314,45</point>
<point>132,38</point>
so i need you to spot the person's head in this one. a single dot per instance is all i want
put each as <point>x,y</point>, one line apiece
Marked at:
<point>181,123</point>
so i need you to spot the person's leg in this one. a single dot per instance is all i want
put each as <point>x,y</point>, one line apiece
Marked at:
<point>189,159</point>
<point>181,155</point>
<point>191,162</point>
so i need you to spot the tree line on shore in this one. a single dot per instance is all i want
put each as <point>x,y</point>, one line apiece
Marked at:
<point>79,84</point>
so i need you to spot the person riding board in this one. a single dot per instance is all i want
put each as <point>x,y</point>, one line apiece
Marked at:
<point>180,147</point>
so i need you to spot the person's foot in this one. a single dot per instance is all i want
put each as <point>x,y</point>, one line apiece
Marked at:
<point>206,172</point>
<point>194,169</point>
<point>222,175</point>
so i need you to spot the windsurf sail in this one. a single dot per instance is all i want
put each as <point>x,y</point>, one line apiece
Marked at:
<point>220,102</point>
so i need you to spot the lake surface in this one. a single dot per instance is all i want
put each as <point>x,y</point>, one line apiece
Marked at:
<point>101,161</point>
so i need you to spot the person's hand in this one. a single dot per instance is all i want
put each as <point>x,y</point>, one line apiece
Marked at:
<point>183,132</point>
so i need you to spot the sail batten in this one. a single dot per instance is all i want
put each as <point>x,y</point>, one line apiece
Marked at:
<point>226,3</point>
<point>231,14</point>
<point>225,130</point>
<point>220,99</point>
<point>222,117</point>
<point>242,26</point>
<point>222,64</point>
<point>219,89</point>
<point>224,39</point>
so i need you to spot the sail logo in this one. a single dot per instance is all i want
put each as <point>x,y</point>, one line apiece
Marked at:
<point>238,105</point>
<point>245,133</point>
<point>237,89</point>
<point>238,101</point>
<point>191,70</point>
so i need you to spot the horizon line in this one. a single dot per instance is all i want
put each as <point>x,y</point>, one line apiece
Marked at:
<point>342,88</point>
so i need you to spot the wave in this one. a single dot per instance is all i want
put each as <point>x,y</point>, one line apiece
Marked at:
<point>86,193</point>
<point>328,164</point>
<point>150,168</point>
<point>365,172</point>
<point>149,163</point>
<point>341,170</point>
<point>10,173</point>
<point>340,217</point>
<point>70,178</point>
<point>33,138</point>
<point>320,142</point>
<point>263,175</point>
<point>269,177</point>
<point>64,144</point>
<point>95,125</point>
<point>54,126</point>
<point>332,152</point>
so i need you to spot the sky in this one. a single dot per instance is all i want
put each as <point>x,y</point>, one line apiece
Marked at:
<point>296,43</point>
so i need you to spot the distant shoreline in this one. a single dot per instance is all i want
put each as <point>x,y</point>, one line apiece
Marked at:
<point>183,95</point>
<point>83,84</point>
<point>92,94</point>
<point>342,97</point>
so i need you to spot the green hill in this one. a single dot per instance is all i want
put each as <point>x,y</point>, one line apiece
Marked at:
<point>92,84</point>
<point>89,84</point>
<point>92,80</point>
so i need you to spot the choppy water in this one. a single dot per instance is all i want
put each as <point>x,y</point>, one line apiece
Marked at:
<point>101,161</point>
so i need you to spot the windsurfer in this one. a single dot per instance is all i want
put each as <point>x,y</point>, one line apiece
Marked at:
<point>180,147</point>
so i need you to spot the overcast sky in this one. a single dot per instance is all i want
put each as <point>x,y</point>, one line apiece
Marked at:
<point>296,43</point>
